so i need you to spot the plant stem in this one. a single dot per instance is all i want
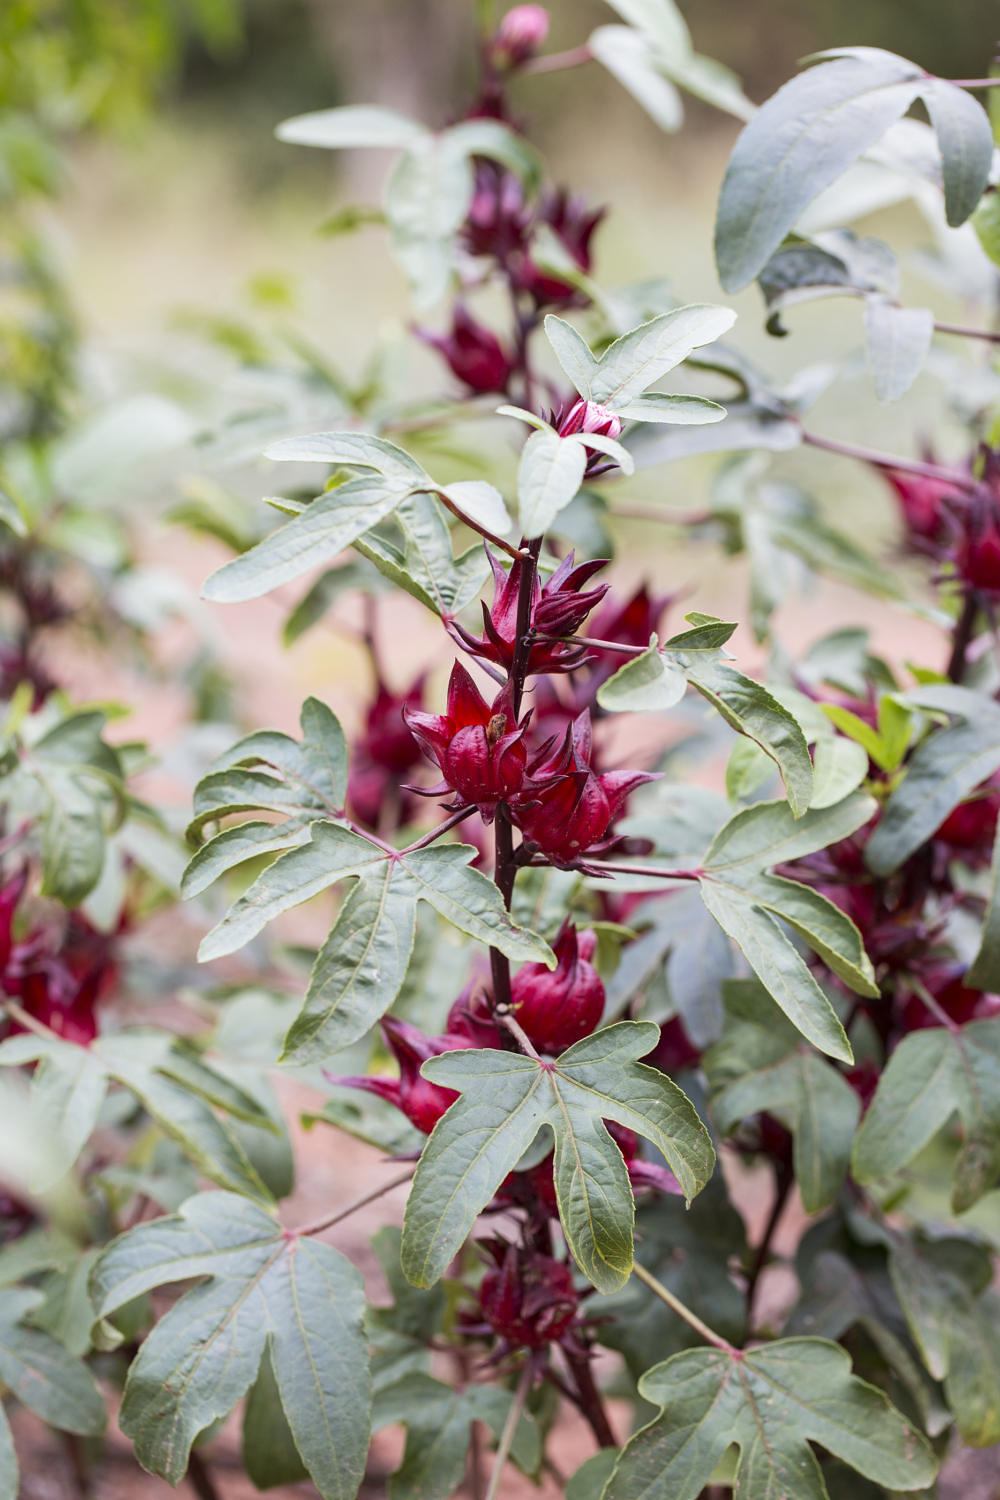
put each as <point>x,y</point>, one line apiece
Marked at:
<point>783,1178</point>
<point>961,638</point>
<point>963,332</point>
<point>20,1015</point>
<point>488,536</point>
<point>509,1429</point>
<point>589,640</point>
<point>316,1226</point>
<point>683,1311</point>
<point>890,461</point>
<point>574,57</point>
<point>591,1401</point>
<point>975,83</point>
<point>505,868</point>
<point>937,1011</point>
<point>200,1478</point>
<point>651,870</point>
<point>518,1031</point>
<point>435,833</point>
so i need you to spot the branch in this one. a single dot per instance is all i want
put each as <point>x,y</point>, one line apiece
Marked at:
<point>488,536</point>
<point>316,1226</point>
<point>889,461</point>
<point>783,1179</point>
<point>963,332</point>
<point>590,1402</point>
<point>683,1311</point>
<point>653,871</point>
<point>573,57</point>
<point>436,833</point>
<point>961,637</point>
<point>975,83</point>
<point>509,1429</point>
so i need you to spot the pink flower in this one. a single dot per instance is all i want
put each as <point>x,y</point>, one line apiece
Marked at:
<point>520,34</point>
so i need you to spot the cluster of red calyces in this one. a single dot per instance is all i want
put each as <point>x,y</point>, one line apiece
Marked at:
<point>955,521</point>
<point>57,972</point>
<point>527,1299</point>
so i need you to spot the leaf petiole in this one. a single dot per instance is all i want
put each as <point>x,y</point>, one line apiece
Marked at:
<point>683,1311</point>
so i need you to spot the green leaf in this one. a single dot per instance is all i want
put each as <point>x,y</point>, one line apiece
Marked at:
<point>932,1075</point>
<point>593,1474</point>
<point>507,1099</point>
<point>270,1456</point>
<point>438,1421</point>
<point>263,1289</point>
<point>316,536</point>
<point>322,594</point>
<point>965,140</point>
<point>949,764</point>
<point>69,1086</point>
<point>645,354</point>
<point>984,973</point>
<point>797,144</point>
<point>481,502</point>
<point>684,411</point>
<point>361,967</point>
<point>772,1403</point>
<point>352,125</point>
<point>680,940</point>
<point>627,57</point>
<point>942,1286</point>
<point>656,680</point>
<point>760,1065</point>
<point>40,1373</point>
<point>986,223</point>
<point>306,780</point>
<point>426,200</point>
<point>897,343</point>
<point>745,900</point>
<point>549,475</point>
<point>572,351</point>
<point>9,1475</point>
<point>12,516</point>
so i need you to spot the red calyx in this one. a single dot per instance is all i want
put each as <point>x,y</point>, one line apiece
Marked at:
<point>528,1299</point>
<point>478,746</point>
<point>923,506</point>
<point>473,353</point>
<point>423,1103</point>
<point>559,1007</point>
<point>574,225</point>
<point>558,607</point>
<point>978,557</point>
<point>571,807</point>
<point>971,826</point>
<point>384,752</point>
<point>58,977</point>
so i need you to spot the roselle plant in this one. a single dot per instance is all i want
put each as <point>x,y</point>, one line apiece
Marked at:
<point>563,987</point>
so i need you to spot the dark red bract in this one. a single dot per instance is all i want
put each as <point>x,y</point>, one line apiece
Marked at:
<point>422,1102</point>
<point>558,607</point>
<point>473,353</point>
<point>574,807</point>
<point>478,746</point>
<point>527,1299</point>
<point>558,1007</point>
<point>383,753</point>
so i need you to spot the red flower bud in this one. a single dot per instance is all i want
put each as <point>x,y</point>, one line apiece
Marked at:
<point>971,826</point>
<point>528,1299</point>
<point>978,559</point>
<point>571,807</point>
<point>558,607</point>
<point>520,34</point>
<point>471,1016</point>
<point>63,987</point>
<point>423,1103</point>
<point>923,506</point>
<point>498,219</point>
<point>478,746</point>
<point>473,352</point>
<point>674,1050</point>
<point>558,1007</point>
<point>383,753</point>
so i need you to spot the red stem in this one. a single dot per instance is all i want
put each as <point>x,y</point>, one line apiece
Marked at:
<point>573,57</point>
<point>890,461</point>
<point>783,1179</point>
<point>591,1401</point>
